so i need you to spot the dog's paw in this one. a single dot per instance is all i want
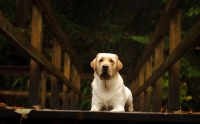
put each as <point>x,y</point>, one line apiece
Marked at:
<point>94,109</point>
<point>119,109</point>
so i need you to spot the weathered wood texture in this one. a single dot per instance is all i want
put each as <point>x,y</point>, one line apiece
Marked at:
<point>14,70</point>
<point>174,72</point>
<point>192,36</point>
<point>78,117</point>
<point>75,79</point>
<point>35,70</point>
<point>159,32</point>
<point>12,93</point>
<point>136,99</point>
<point>20,42</point>
<point>157,86</point>
<point>55,84</point>
<point>57,29</point>
<point>43,90</point>
<point>147,92</point>
<point>141,96</point>
<point>67,68</point>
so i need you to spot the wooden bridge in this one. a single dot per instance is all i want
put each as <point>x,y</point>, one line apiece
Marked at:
<point>144,81</point>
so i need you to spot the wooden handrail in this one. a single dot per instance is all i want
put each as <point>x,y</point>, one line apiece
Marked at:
<point>17,39</point>
<point>159,32</point>
<point>51,19</point>
<point>192,36</point>
<point>14,93</point>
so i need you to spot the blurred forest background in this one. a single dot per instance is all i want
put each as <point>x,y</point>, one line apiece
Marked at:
<point>122,27</point>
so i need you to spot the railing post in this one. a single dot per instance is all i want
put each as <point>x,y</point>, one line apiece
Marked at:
<point>147,93</point>
<point>35,72</point>
<point>43,88</point>
<point>141,82</point>
<point>78,85</point>
<point>55,84</point>
<point>174,72</point>
<point>65,97</point>
<point>157,87</point>
<point>132,88</point>
<point>136,99</point>
<point>75,78</point>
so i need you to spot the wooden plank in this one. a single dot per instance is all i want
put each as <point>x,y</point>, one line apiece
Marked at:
<point>75,81</point>
<point>141,96</point>
<point>147,93</point>
<point>67,68</point>
<point>51,18</point>
<point>78,117</point>
<point>35,70</point>
<point>174,72</point>
<point>12,93</point>
<point>14,70</point>
<point>19,41</point>
<point>192,37</point>
<point>159,32</point>
<point>43,88</point>
<point>157,86</point>
<point>136,99</point>
<point>55,85</point>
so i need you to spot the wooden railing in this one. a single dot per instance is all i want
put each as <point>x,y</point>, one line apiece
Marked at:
<point>69,79</point>
<point>146,79</point>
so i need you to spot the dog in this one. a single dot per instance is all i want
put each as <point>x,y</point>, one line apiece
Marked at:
<point>108,90</point>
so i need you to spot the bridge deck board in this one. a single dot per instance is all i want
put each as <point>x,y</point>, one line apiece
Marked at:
<point>77,116</point>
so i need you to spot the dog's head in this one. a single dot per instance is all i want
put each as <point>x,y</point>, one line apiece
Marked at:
<point>106,65</point>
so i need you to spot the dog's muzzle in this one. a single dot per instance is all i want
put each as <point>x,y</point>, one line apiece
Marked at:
<point>105,75</point>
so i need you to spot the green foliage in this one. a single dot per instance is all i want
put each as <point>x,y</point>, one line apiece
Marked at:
<point>184,93</point>
<point>189,70</point>
<point>15,83</point>
<point>141,39</point>
<point>165,85</point>
<point>86,89</point>
<point>193,11</point>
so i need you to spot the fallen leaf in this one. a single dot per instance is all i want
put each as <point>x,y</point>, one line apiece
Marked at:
<point>37,107</point>
<point>2,105</point>
<point>23,111</point>
<point>190,111</point>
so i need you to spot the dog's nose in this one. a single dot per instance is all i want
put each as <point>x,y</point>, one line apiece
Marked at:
<point>105,67</point>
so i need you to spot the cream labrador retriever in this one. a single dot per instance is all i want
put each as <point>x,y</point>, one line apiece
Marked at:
<point>108,90</point>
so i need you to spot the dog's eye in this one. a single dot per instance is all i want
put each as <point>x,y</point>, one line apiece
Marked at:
<point>101,60</point>
<point>111,60</point>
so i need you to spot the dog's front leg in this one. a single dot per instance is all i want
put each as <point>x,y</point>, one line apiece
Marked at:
<point>96,104</point>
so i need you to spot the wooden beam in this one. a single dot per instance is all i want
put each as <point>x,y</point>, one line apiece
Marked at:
<point>147,93</point>
<point>12,93</point>
<point>43,88</point>
<point>14,70</point>
<point>55,85</point>
<point>159,32</point>
<point>174,72</point>
<point>141,82</point>
<point>57,29</point>
<point>35,70</point>
<point>192,37</point>
<point>66,72</point>
<point>157,86</point>
<point>20,42</point>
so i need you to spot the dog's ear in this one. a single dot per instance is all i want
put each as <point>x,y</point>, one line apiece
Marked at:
<point>119,64</point>
<point>93,63</point>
